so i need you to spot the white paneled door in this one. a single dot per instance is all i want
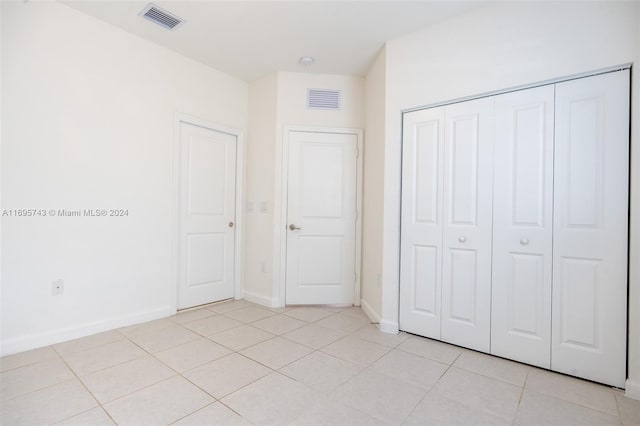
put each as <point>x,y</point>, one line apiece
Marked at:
<point>467,214</point>
<point>522,225</point>
<point>591,186</point>
<point>321,218</point>
<point>206,215</point>
<point>422,224</point>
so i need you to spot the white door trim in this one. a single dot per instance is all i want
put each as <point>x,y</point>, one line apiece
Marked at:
<point>175,204</point>
<point>280,253</point>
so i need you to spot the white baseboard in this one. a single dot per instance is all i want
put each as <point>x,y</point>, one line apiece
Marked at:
<point>373,315</point>
<point>391,327</point>
<point>271,302</point>
<point>38,340</point>
<point>632,389</point>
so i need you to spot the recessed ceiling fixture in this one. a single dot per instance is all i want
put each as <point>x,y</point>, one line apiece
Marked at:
<point>161,17</point>
<point>306,61</point>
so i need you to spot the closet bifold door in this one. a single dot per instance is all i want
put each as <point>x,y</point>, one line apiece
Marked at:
<point>522,226</point>
<point>467,213</point>
<point>421,229</point>
<point>590,228</point>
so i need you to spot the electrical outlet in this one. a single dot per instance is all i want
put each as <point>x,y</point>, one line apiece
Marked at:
<point>264,207</point>
<point>57,287</point>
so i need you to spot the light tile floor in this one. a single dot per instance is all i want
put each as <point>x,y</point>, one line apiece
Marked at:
<point>236,363</point>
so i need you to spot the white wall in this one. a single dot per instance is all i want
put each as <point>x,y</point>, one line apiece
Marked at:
<point>373,203</point>
<point>276,101</point>
<point>292,111</point>
<point>494,47</point>
<point>261,145</point>
<point>87,123</point>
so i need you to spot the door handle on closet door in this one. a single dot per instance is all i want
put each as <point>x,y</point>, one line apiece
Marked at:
<point>462,238</point>
<point>524,241</point>
<point>293,227</point>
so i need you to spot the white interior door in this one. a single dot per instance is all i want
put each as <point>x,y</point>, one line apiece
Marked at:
<point>206,215</point>
<point>321,218</point>
<point>522,225</point>
<point>466,271</point>
<point>421,236</point>
<point>590,228</point>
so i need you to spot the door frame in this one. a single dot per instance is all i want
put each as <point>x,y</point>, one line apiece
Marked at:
<point>175,205</point>
<point>281,200</point>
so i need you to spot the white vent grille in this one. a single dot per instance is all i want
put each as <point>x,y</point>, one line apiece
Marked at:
<point>323,99</point>
<point>161,17</point>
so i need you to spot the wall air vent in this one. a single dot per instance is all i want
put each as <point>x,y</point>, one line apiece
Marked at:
<point>161,17</point>
<point>323,99</point>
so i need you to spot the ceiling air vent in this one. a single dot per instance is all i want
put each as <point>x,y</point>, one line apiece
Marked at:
<point>161,17</point>
<point>323,99</point>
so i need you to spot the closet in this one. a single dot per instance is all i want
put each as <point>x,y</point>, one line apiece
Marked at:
<point>514,225</point>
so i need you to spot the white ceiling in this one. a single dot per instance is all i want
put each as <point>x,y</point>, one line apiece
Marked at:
<point>249,39</point>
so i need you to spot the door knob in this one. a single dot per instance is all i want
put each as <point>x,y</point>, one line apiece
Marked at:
<point>462,238</point>
<point>524,241</point>
<point>293,227</point>
<point>230,224</point>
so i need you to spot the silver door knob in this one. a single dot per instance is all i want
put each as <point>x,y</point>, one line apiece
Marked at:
<point>524,241</point>
<point>462,238</point>
<point>230,224</point>
<point>293,227</point>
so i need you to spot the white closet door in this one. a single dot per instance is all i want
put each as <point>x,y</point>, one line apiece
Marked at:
<point>421,247</point>
<point>522,226</point>
<point>466,271</point>
<point>590,228</point>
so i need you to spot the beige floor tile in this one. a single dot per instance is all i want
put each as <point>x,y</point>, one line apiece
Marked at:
<point>11,362</point>
<point>30,378</point>
<point>193,354</point>
<point>321,372</point>
<point>308,314</point>
<point>250,314</point>
<point>120,380</point>
<point>88,342</point>
<point>47,406</point>
<point>539,409</point>
<point>166,338</point>
<point>372,333</point>
<point>356,350</point>
<point>332,413</point>
<point>355,311</point>
<point>274,399</point>
<point>230,305</point>
<point>380,396</point>
<point>628,409</point>
<point>211,325</point>
<point>213,414</point>
<point>241,337</point>
<point>480,392</point>
<point>160,404</point>
<point>276,353</point>
<point>436,410</point>
<point>94,417</point>
<point>146,327</point>
<point>592,395</point>
<point>413,369</point>
<point>491,366</point>
<point>226,375</point>
<point>314,336</point>
<point>191,315</point>
<point>343,323</point>
<point>432,349</point>
<point>279,324</point>
<point>104,356</point>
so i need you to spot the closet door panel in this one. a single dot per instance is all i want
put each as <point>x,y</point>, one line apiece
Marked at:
<point>590,228</point>
<point>466,272</point>
<point>421,233</point>
<point>522,225</point>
